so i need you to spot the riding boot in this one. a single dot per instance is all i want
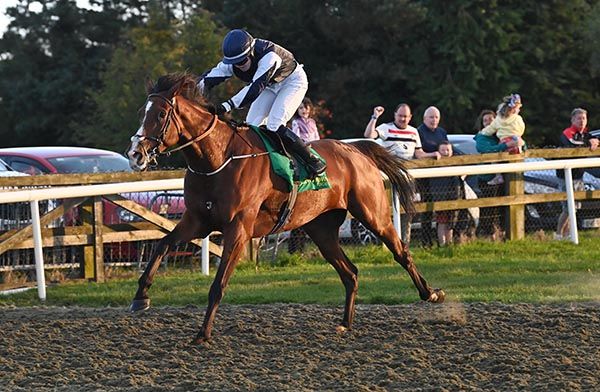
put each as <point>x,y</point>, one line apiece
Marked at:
<point>296,145</point>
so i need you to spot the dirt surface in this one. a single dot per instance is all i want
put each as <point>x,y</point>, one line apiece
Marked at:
<point>295,347</point>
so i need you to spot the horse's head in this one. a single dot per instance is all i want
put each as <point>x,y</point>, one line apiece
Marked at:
<point>161,126</point>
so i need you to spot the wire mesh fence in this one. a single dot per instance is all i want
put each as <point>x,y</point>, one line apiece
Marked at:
<point>429,227</point>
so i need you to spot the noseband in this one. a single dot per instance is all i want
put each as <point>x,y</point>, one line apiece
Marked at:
<point>170,116</point>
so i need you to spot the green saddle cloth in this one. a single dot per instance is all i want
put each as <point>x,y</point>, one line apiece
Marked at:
<point>283,167</point>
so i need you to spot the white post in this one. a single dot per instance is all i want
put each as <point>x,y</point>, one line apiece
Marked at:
<point>396,213</point>
<point>571,206</point>
<point>204,255</point>
<point>37,247</point>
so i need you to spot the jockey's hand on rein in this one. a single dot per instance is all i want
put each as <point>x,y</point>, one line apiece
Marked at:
<point>220,110</point>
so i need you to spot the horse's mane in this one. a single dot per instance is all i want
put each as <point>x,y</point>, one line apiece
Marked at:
<point>189,88</point>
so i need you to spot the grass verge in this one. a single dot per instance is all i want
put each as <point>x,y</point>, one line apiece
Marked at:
<point>533,270</point>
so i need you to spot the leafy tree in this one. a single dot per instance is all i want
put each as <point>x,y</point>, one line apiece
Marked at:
<point>471,53</point>
<point>353,50</point>
<point>49,59</point>
<point>161,46</point>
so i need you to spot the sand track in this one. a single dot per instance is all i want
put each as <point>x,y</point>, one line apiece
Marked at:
<point>295,347</point>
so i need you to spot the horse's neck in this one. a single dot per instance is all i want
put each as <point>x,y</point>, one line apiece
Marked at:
<point>212,151</point>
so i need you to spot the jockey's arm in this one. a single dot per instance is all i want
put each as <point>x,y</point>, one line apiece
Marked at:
<point>267,66</point>
<point>220,73</point>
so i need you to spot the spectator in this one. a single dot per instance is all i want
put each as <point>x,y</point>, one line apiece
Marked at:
<point>575,136</point>
<point>508,125</point>
<point>445,188</point>
<point>432,135</point>
<point>402,140</point>
<point>398,136</point>
<point>491,218</point>
<point>305,127</point>
<point>485,118</point>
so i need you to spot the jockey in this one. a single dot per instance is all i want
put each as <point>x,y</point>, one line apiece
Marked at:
<point>276,85</point>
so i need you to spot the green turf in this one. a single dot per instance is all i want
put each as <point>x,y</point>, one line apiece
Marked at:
<point>534,270</point>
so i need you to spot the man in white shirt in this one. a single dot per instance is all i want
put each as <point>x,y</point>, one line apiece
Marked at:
<point>402,140</point>
<point>399,137</point>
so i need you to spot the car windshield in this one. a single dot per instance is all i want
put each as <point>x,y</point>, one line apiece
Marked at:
<point>90,164</point>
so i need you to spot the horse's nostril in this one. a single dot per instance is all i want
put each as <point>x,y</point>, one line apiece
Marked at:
<point>135,156</point>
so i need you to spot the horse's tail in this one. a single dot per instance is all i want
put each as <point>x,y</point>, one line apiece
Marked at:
<point>394,169</point>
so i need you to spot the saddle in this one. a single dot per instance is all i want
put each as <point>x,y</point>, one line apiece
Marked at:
<point>292,170</point>
<point>287,165</point>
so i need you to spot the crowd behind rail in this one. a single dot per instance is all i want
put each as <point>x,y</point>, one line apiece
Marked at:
<point>440,228</point>
<point>276,85</point>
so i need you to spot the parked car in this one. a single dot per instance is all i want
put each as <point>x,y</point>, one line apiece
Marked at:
<point>542,215</point>
<point>12,214</point>
<point>71,160</point>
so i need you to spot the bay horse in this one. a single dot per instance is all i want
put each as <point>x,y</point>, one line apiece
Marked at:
<point>231,188</point>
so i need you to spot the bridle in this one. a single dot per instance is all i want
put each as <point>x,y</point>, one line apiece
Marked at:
<point>155,152</point>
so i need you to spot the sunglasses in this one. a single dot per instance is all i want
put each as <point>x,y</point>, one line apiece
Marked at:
<point>242,63</point>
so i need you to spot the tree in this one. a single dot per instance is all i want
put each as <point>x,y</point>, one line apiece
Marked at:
<point>353,50</point>
<point>50,60</point>
<point>163,45</point>
<point>469,54</point>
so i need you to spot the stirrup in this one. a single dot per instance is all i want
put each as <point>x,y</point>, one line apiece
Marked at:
<point>316,166</point>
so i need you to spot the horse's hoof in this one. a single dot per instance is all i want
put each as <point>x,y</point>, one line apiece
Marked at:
<point>438,296</point>
<point>139,305</point>
<point>200,341</point>
<point>340,329</point>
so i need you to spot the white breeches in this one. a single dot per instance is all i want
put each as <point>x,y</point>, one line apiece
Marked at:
<point>277,104</point>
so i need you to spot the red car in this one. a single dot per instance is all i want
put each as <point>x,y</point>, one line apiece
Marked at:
<point>48,160</point>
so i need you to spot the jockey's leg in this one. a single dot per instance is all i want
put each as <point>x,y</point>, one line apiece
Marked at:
<point>260,108</point>
<point>296,145</point>
<point>290,93</point>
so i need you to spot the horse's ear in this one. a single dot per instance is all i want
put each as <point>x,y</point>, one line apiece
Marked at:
<point>176,89</point>
<point>149,85</point>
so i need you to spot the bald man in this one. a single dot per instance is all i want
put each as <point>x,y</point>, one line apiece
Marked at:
<point>430,132</point>
<point>431,135</point>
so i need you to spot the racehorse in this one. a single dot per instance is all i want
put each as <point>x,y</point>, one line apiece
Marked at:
<point>231,188</point>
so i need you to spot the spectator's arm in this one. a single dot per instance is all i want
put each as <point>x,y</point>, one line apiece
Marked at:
<point>370,130</point>
<point>420,154</point>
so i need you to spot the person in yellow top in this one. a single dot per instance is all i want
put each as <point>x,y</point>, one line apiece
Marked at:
<point>508,125</point>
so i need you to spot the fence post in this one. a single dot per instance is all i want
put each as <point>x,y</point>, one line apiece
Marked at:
<point>39,257</point>
<point>516,213</point>
<point>205,255</point>
<point>396,213</point>
<point>571,206</point>
<point>98,241</point>
<point>93,255</point>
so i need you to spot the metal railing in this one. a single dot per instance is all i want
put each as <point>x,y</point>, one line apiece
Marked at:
<point>34,196</point>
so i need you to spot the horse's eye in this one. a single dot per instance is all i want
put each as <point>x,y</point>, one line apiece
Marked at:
<point>162,114</point>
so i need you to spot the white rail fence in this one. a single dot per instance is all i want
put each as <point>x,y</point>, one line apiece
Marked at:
<point>33,196</point>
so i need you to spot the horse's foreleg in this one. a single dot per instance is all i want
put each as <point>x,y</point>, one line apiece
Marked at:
<point>403,256</point>
<point>324,231</point>
<point>233,244</point>
<point>183,232</point>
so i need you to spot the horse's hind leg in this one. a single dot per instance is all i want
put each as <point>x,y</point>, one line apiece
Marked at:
<point>324,231</point>
<point>185,230</point>
<point>381,225</point>
<point>403,256</point>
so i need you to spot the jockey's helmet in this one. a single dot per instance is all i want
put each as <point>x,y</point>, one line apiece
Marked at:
<point>237,45</point>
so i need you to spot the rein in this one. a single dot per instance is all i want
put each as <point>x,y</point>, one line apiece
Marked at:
<point>171,117</point>
<point>227,162</point>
